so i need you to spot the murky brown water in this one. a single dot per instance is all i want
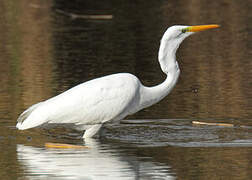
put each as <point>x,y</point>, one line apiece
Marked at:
<point>49,46</point>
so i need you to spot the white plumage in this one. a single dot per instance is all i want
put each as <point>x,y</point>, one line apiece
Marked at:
<point>88,105</point>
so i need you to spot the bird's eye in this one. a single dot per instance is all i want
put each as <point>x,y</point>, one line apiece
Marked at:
<point>184,30</point>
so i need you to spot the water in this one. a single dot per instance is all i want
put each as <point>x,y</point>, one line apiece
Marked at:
<point>49,46</point>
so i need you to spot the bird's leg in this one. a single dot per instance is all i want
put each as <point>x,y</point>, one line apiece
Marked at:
<point>92,131</point>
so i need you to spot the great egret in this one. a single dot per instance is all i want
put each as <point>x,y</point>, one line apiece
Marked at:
<point>110,98</point>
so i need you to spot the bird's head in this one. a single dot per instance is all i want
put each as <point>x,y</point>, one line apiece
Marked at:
<point>176,34</point>
<point>171,40</point>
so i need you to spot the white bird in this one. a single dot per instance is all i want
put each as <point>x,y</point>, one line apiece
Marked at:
<point>110,98</point>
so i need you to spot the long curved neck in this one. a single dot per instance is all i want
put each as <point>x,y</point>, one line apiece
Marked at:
<point>152,95</point>
<point>169,65</point>
<point>167,55</point>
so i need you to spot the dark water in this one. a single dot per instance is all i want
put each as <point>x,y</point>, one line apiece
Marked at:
<point>49,46</point>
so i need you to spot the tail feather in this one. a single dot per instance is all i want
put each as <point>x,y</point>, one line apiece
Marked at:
<point>25,115</point>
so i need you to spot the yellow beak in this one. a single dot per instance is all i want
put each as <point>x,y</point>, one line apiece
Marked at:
<point>201,27</point>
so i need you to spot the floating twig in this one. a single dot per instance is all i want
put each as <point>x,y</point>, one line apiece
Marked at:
<point>213,124</point>
<point>63,146</point>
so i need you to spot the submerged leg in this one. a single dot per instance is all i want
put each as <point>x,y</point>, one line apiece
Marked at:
<point>92,131</point>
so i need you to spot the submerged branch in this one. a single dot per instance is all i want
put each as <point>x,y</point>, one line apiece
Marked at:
<point>80,16</point>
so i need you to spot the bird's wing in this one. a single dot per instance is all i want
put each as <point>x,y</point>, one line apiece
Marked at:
<point>93,102</point>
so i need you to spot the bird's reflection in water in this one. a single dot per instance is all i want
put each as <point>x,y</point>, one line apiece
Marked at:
<point>99,161</point>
